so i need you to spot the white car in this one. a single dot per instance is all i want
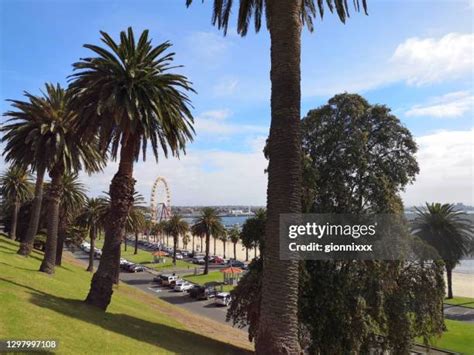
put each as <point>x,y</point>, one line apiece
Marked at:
<point>183,286</point>
<point>222,299</point>
<point>179,256</point>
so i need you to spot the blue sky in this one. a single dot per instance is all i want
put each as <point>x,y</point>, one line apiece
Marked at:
<point>414,56</point>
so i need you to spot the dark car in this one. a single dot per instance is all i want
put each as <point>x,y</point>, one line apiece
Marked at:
<point>237,263</point>
<point>193,292</point>
<point>136,268</point>
<point>205,292</point>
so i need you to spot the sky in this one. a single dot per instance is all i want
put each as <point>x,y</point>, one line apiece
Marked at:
<point>415,56</point>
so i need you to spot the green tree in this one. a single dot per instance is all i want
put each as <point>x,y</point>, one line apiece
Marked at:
<point>284,20</point>
<point>129,96</point>
<point>224,238</point>
<point>16,188</point>
<point>207,224</point>
<point>448,231</point>
<point>234,237</point>
<point>92,217</point>
<point>392,302</point>
<point>46,124</point>
<point>73,199</point>
<point>253,231</point>
<point>176,227</point>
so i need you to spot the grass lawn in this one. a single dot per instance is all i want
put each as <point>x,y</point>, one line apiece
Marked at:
<point>458,337</point>
<point>38,306</point>
<point>461,301</point>
<point>146,258</point>
<point>213,276</point>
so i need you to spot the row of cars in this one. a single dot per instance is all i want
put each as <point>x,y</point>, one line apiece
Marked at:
<point>126,265</point>
<point>197,292</point>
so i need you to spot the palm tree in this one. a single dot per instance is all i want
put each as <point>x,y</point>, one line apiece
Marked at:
<point>223,237</point>
<point>186,240</point>
<point>284,20</point>
<point>45,124</point>
<point>92,217</point>
<point>176,226</point>
<point>234,237</point>
<point>73,199</point>
<point>446,230</point>
<point>15,187</point>
<point>207,224</point>
<point>128,95</point>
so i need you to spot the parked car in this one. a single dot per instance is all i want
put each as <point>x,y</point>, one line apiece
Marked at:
<point>205,292</point>
<point>237,263</point>
<point>167,279</point>
<point>222,299</point>
<point>217,260</point>
<point>193,291</point>
<point>136,268</point>
<point>199,260</point>
<point>181,286</point>
<point>173,283</point>
<point>179,256</point>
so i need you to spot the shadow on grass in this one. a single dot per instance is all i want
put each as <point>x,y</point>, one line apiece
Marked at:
<point>19,267</point>
<point>164,336</point>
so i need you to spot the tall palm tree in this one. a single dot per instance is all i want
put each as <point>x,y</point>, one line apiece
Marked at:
<point>284,20</point>
<point>73,199</point>
<point>446,230</point>
<point>176,226</point>
<point>234,237</point>
<point>128,95</point>
<point>16,188</point>
<point>224,237</point>
<point>45,124</point>
<point>207,224</point>
<point>186,240</point>
<point>92,217</point>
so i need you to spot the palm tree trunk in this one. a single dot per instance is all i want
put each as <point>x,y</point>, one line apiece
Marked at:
<point>255,253</point>
<point>449,274</point>
<point>246,254</point>
<point>54,200</point>
<point>193,245</point>
<point>125,244</point>
<point>215,242</point>
<point>175,242</point>
<point>14,222</point>
<point>92,233</point>
<point>27,245</point>
<point>224,248</point>
<point>235,251</point>
<point>61,238</point>
<point>278,323</point>
<point>136,244</point>
<point>121,200</point>
<point>206,258</point>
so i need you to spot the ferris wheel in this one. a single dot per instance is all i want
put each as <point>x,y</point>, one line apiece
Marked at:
<point>160,200</point>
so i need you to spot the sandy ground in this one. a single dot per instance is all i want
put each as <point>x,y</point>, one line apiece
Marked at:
<point>463,284</point>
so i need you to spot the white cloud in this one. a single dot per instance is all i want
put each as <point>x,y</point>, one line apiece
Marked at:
<point>225,87</point>
<point>207,48</point>
<point>446,160</point>
<point>451,105</point>
<point>430,60</point>
<point>216,122</point>
<point>200,178</point>
<point>415,61</point>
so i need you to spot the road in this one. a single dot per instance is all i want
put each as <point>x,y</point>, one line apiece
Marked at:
<point>144,281</point>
